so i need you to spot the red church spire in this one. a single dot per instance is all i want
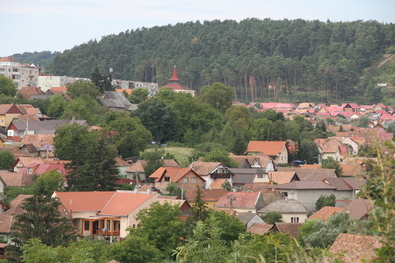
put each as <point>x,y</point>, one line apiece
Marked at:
<point>174,76</point>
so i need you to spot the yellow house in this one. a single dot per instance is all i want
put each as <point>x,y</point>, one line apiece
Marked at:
<point>7,113</point>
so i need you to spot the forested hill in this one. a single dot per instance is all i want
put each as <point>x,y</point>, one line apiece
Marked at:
<point>42,58</point>
<point>261,59</point>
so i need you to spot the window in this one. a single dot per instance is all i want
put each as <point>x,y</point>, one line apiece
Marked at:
<point>185,179</point>
<point>86,225</point>
<point>167,179</point>
<point>29,170</point>
<point>193,179</point>
<point>294,219</point>
<point>261,176</point>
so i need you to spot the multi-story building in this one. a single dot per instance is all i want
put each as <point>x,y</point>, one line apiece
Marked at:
<point>127,84</point>
<point>21,74</point>
<point>46,82</point>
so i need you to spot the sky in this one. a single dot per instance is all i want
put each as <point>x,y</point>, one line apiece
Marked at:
<point>57,25</point>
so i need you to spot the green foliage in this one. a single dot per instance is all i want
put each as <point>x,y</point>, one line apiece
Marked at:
<point>34,251</point>
<point>56,106</point>
<point>91,155</point>
<point>6,160</point>
<point>231,226</point>
<point>391,127</point>
<point>42,220</point>
<point>331,163</point>
<point>272,217</point>
<point>159,119</point>
<point>129,134</point>
<point>308,151</point>
<point>199,209</point>
<point>217,155</point>
<point>139,95</point>
<point>161,226</point>
<point>81,88</point>
<point>363,122</point>
<point>101,81</point>
<point>173,190</point>
<point>7,86</point>
<point>218,95</point>
<point>84,108</point>
<point>322,234</point>
<point>49,182</point>
<point>154,160</point>
<point>42,58</point>
<point>325,200</point>
<point>227,186</point>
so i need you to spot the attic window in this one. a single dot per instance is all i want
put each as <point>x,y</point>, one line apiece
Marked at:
<point>29,170</point>
<point>167,179</point>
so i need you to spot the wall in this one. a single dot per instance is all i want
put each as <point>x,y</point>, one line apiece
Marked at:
<point>287,217</point>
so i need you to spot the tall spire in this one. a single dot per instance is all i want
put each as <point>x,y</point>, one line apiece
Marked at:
<point>174,77</point>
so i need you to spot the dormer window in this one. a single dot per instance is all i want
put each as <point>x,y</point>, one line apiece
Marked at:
<point>29,170</point>
<point>167,179</point>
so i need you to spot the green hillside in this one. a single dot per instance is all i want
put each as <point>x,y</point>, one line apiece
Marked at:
<point>287,60</point>
<point>42,58</point>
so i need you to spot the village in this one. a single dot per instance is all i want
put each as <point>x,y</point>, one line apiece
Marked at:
<point>265,179</point>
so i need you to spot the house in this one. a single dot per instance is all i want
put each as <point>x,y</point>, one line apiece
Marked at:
<point>210,196</point>
<point>116,101</point>
<point>351,248</point>
<point>359,209</point>
<point>269,196</point>
<point>211,171</point>
<point>280,177</point>
<point>38,140</point>
<point>137,168</point>
<point>308,192</point>
<point>7,113</point>
<point>8,217</point>
<point>310,174</point>
<point>277,150</point>
<point>326,212</point>
<point>254,161</point>
<point>18,129</point>
<point>29,149</point>
<point>29,91</point>
<point>122,166</point>
<point>176,86</point>
<point>248,219</point>
<point>22,162</point>
<point>291,210</point>
<point>240,202</point>
<point>40,168</point>
<point>185,178</point>
<point>292,229</point>
<point>104,213</point>
<point>52,91</point>
<point>330,148</point>
<point>14,150</point>
<point>248,176</point>
<point>183,204</point>
<point>16,179</point>
<point>259,228</point>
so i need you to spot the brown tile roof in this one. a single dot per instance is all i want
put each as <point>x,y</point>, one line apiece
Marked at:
<point>289,228</point>
<point>139,165</point>
<point>356,248</point>
<point>270,148</point>
<point>61,91</point>
<point>217,184</point>
<point>204,168</point>
<point>4,108</point>
<point>303,185</point>
<point>259,229</point>
<point>14,150</point>
<point>38,140</point>
<point>16,179</point>
<point>29,160</point>
<point>208,195</point>
<point>28,91</point>
<point>281,177</point>
<point>310,174</point>
<point>15,205</point>
<point>350,170</point>
<point>325,212</point>
<point>358,208</point>
<point>285,206</point>
<point>6,223</point>
<point>121,162</point>
<point>239,200</point>
<point>9,59</point>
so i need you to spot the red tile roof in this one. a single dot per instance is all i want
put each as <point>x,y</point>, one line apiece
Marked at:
<point>208,195</point>
<point>175,173</point>
<point>38,140</point>
<point>174,75</point>
<point>84,201</point>
<point>123,203</point>
<point>325,212</point>
<point>270,148</point>
<point>204,168</point>
<point>9,59</point>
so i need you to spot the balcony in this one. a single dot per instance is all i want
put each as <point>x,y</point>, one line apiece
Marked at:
<point>106,232</point>
<point>221,175</point>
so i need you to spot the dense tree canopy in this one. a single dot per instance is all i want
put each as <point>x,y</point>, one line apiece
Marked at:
<point>7,86</point>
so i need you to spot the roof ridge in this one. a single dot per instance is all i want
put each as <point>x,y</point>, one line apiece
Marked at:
<point>108,201</point>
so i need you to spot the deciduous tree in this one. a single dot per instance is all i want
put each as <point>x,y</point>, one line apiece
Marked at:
<point>6,160</point>
<point>7,86</point>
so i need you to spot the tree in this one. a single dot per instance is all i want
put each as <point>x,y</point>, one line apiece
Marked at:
<point>272,217</point>
<point>154,161</point>
<point>173,190</point>
<point>363,122</point>
<point>6,160</point>
<point>239,145</point>
<point>42,220</point>
<point>56,106</point>
<point>81,88</point>
<point>101,81</point>
<point>331,163</point>
<point>92,165</point>
<point>159,119</point>
<point>308,151</point>
<point>391,127</point>
<point>161,225</point>
<point>84,108</point>
<point>217,95</point>
<point>227,186</point>
<point>325,201</point>
<point>129,134</point>
<point>217,155</point>
<point>7,86</point>
<point>49,182</point>
<point>138,95</point>
<point>199,209</point>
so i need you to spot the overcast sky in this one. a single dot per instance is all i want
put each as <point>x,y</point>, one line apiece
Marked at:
<point>56,25</point>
